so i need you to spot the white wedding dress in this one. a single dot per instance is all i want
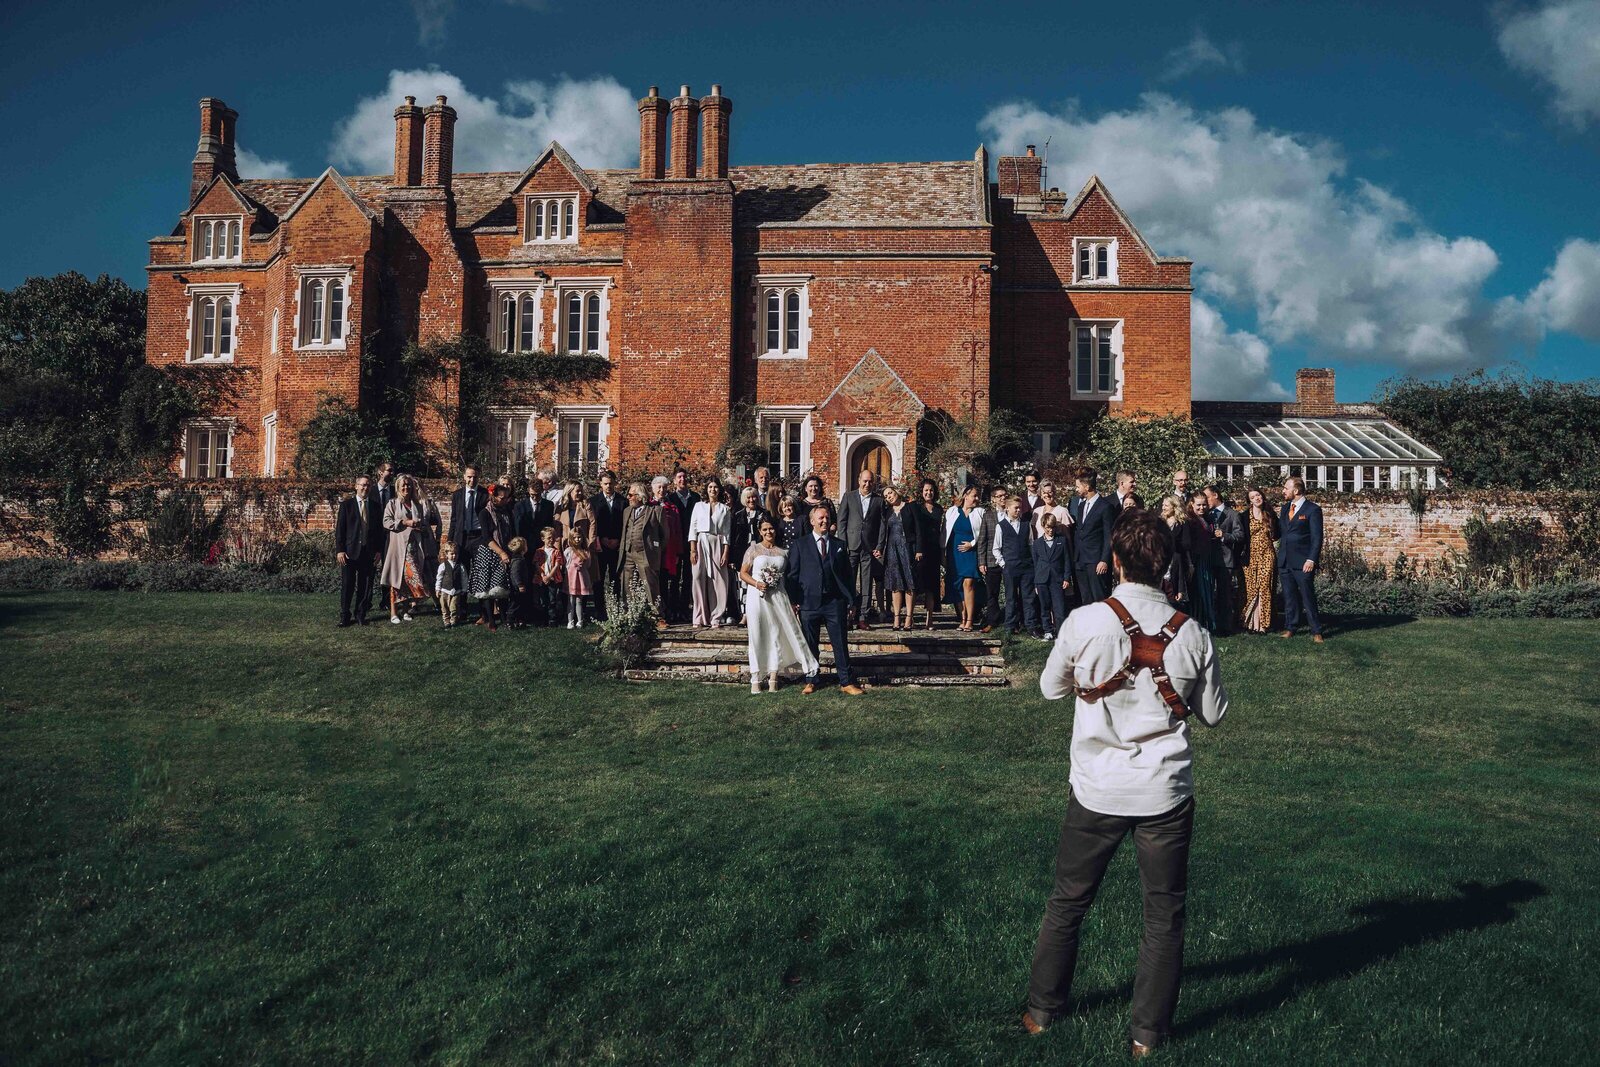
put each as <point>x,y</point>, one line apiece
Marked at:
<point>776,640</point>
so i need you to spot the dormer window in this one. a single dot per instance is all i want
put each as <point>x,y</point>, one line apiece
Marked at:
<point>552,220</point>
<point>1096,260</point>
<point>217,240</point>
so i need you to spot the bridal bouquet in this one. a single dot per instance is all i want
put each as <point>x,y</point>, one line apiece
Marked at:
<point>769,572</point>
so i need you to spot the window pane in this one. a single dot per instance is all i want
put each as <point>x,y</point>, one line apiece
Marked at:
<point>794,449</point>
<point>202,453</point>
<point>1083,261</point>
<point>208,328</point>
<point>1105,384</point>
<point>224,327</point>
<point>530,323</point>
<point>791,327</point>
<point>233,245</point>
<point>1085,353</point>
<point>574,322</point>
<point>313,327</point>
<point>537,207</point>
<point>566,229</point>
<point>335,310</point>
<point>775,444</point>
<point>219,453</point>
<point>505,307</point>
<point>1102,261</point>
<point>591,445</point>
<point>591,329</point>
<point>774,314</point>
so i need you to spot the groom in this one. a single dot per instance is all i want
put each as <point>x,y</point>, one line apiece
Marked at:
<point>818,578</point>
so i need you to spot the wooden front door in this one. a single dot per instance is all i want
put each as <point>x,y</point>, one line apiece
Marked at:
<point>873,456</point>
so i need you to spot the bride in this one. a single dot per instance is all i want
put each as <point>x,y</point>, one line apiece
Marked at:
<point>776,640</point>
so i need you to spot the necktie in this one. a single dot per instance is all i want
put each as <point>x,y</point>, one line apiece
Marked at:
<point>822,548</point>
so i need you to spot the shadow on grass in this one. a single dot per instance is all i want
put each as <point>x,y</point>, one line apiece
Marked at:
<point>1346,623</point>
<point>18,607</point>
<point>1391,927</point>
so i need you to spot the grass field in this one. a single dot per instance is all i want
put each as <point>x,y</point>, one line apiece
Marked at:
<point>235,834</point>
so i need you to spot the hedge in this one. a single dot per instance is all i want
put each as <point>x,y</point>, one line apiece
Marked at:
<point>1349,596</point>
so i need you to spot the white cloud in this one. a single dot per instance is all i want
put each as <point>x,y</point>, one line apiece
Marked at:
<point>1559,42</point>
<point>1199,53</point>
<point>1341,267</point>
<point>1228,364</point>
<point>596,119</point>
<point>1569,297</point>
<point>253,166</point>
<point>433,17</point>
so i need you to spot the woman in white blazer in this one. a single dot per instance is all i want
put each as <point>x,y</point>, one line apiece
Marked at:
<point>709,525</point>
<point>963,537</point>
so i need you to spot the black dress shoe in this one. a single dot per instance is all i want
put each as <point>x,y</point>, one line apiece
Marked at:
<point>361,622</point>
<point>343,623</point>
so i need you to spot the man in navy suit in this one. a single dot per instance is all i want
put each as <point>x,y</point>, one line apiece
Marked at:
<point>1093,516</point>
<point>1014,546</point>
<point>1051,574</point>
<point>1299,552</point>
<point>820,585</point>
<point>357,532</point>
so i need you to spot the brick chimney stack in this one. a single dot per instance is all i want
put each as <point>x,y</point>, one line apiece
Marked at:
<point>408,143</point>
<point>685,133</point>
<point>714,113</point>
<point>1020,176</point>
<point>653,135</point>
<point>438,143</point>
<point>1313,391</point>
<point>215,154</point>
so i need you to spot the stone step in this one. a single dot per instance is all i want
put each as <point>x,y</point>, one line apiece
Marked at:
<point>677,674</point>
<point>861,658</point>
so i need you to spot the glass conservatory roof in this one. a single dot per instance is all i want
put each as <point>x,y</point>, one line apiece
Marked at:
<point>1299,440</point>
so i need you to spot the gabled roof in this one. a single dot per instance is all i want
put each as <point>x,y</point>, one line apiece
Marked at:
<point>554,149</point>
<point>873,384</point>
<point>245,203</point>
<point>1094,183</point>
<point>342,185</point>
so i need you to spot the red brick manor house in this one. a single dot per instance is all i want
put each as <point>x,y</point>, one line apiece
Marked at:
<point>844,301</point>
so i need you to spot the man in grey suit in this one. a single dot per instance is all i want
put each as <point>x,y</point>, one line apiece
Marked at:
<point>865,534</point>
<point>640,547</point>
<point>1228,529</point>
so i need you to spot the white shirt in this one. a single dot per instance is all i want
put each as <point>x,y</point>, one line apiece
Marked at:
<point>445,580</point>
<point>1088,502</point>
<point>1129,757</point>
<point>712,519</point>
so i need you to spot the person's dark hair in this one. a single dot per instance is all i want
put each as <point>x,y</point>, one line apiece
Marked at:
<point>1138,501</point>
<point>1087,476</point>
<point>1143,545</point>
<point>498,491</point>
<point>608,474</point>
<point>925,482</point>
<point>807,483</point>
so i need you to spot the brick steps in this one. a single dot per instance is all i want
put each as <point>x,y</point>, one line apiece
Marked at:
<point>944,657</point>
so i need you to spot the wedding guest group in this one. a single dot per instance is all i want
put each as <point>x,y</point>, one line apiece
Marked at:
<point>1020,560</point>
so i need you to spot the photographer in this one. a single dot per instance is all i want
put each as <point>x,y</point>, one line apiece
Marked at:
<point>1137,669</point>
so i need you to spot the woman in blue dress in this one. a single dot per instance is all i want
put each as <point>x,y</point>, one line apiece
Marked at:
<point>961,524</point>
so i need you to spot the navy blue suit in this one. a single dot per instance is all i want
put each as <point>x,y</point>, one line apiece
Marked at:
<point>1050,569</point>
<point>1014,546</point>
<point>824,591</point>
<point>1299,540</point>
<point>1092,546</point>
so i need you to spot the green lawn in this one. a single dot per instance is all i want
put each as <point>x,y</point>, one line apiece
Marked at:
<point>235,834</point>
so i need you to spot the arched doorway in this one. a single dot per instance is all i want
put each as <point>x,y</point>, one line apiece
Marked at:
<point>873,455</point>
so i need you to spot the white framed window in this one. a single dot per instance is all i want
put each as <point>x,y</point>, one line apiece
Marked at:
<point>517,316</point>
<point>509,442</point>
<point>322,307</point>
<point>581,432</point>
<point>1094,260</point>
<point>213,323</point>
<point>551,220</point>
<point>269,445</point>
<point>583,311</point>
<point>1047,444</point>
<point>208,448</point>
<point>272,341</point>
<point>1096,358</point>
<point>787,433</point>
<point>783,315</point>
<point>218,240</point>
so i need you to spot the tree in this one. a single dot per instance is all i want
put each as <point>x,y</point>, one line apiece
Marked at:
<point>1152,447</point>
<point>1509,431</point>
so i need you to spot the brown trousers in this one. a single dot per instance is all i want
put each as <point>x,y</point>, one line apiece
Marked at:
<point>1088,841</point>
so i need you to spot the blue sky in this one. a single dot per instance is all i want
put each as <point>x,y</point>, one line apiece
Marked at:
<point>1377,187</point>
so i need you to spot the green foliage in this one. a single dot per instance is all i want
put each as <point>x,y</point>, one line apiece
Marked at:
<point>340,442</point>
<point>181,528</point>
<point>78,517</point>
<point>1152,447</point>
<point>982,445</point>
<point>1372,595</point>
<point>1513,551</point>
<point>162,576</point>
<point>741,440</point>
<point>1508,431</point>
<point>628,631</point>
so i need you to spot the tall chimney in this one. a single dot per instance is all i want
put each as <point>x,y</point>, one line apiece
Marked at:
<point>653,135</point>
<point>408,143</point>
<point>1020,176</point>
<point>438,143</point>
<point>215,154</point>
<point>1313,391</point>
<point>684,135</point>
<point>714,112</point>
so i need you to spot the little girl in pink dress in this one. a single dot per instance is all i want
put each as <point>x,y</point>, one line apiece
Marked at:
<point>578,585</point>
